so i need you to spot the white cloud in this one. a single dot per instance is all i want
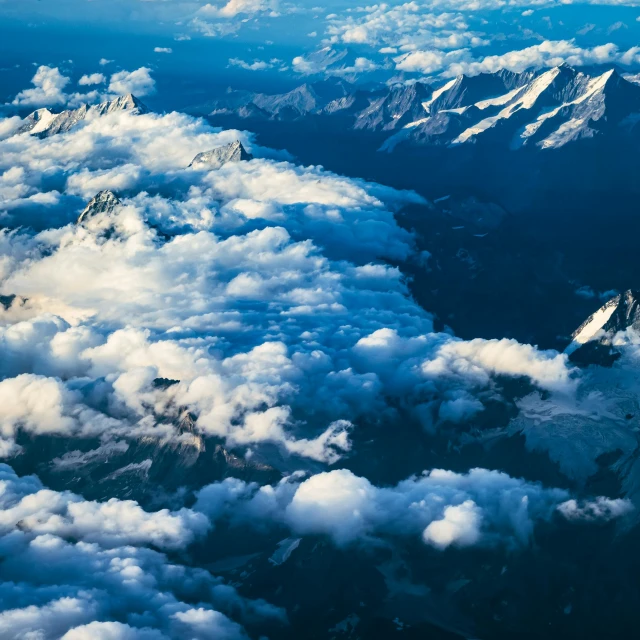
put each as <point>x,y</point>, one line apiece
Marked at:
<point>256,65</point>
<point>440,507</point>
<point>267,300</point>
<point>232,8</point>
<point>546,54</point>
<point>81,564</point>
<point>481,358</point>
<point>48,89</point>
<point>405,26</point>
<point>92,79</point>
<point>111,631</point>
<point>163,50</point>
<point>110,524</point>
<point>602,509</point>
<point>49,85</point>
<point>263,290</point>
<point>459,525</point>
<point>138,82</point>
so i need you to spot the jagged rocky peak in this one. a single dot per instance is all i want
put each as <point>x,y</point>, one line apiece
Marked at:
<point>216,158</point>
<point>465,91</point>
<point>37,121</point>
<point>547,109</point>
<point>393,109</point>
<point>296,103</point>
<point>123,103</point>
<point>103,202</point>
<point>625,312</point>
<point>592,340</point>
<point>43,123</point>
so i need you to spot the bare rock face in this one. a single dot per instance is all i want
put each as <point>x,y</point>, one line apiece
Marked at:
<point>43,123</point>
<point>103,202</point>
<point>216,158</point>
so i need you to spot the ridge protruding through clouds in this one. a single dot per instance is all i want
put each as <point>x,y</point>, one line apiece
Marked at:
<point>245,396</point>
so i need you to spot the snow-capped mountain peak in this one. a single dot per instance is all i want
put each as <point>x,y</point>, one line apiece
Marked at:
<point>214,159</point>
<point>43,123</point>
<point>103,202</point>
<point>548,109</point>
<point>619,314</point>
<point>524,98</point>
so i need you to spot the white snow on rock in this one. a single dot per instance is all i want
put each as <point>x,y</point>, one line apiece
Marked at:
<point>592,325</point>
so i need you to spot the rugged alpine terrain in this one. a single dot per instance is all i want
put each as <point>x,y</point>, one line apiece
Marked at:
<point>547,109</point>
<point>240,391</point>
<point>481,134</point>
<point>44,123</point>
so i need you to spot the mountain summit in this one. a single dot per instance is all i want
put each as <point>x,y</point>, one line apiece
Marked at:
<point>103,202</point>
<point>214,159</point>
<point>593,340</point>
<point>547,110</point>
<point>44,123</point>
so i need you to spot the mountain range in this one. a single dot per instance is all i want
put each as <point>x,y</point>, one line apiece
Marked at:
<point>474,269</point>
<point>44,123</point>
<point>546,109</point>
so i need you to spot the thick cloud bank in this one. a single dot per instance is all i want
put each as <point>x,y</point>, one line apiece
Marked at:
<point>259,288</point>
<point>444,508</point>
<point>258,306</point>
<point>74,568</point>
<point>78,569</point>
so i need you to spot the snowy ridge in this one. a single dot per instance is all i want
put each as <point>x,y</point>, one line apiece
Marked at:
<point>103,202</point>
<point>618,314</point>
<point>547,110</point>
<point>43,123</point>
<point>214,159</point>
<point>592,326</point>
<point>439,92</point>
<point>526,99</point>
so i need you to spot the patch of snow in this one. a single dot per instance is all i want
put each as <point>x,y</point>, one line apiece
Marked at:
<point>437,93</point>
<point>593,86</point>
<point>499,101</point>
<point>592,326</point>
<point>285,548</point>
<point>458,110</point>
<point>45,118</point>
<point>527,100</point>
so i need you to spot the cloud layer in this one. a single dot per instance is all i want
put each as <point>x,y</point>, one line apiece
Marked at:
<point>261,303</point>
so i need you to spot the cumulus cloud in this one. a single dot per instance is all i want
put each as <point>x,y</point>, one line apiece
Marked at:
<point>111,631</point>
<point>77,565</point>
<point>441,507</point>
<point>404,26</point>
<point>259,306</point>
<point>259,287</point>
<point>256,65</point>
<point>138,82</point>
<point>48,89</point>
<point>602,509</point>
<point>110,524</point>
<point>233,8</point>
<point>225,18</point>
<point>92,79</point>
<point>549,53</point>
